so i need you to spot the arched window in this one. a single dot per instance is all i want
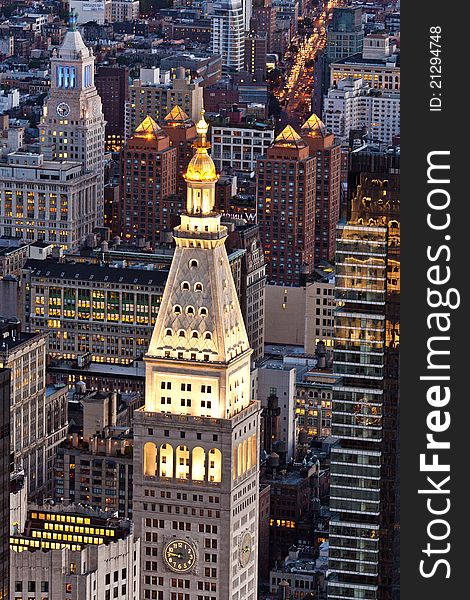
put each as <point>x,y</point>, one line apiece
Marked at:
<point>208,335</point>
<point>166,460</point>
<point>248,455</point>
<point>168,332</point>
<point>254,454</point>
<point>190,310</point>
<point>193,264</point>
<point>203,311</point>
<point>185,285</point>
<point>198,287</point>
<point>195,334</point>
<point>177,309</point>
<point>239,460</point>
<point>150,459</point>
<point>215,465</point>
<point>235,453</point>
<point>198,468</point>
<point>182,462</point>
<point>182,333</point>
<point>245,455</point>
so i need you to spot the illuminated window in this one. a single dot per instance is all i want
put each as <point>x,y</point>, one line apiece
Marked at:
<point>150,459</point>
<point>215,465</point>
<point>198,464</point>
<point>166,460</point>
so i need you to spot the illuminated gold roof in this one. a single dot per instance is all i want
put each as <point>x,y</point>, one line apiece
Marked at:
<point>201,166</point>
<point>289,137</point>
<point>177,114</point>
<point>314,126</point>
<point>148,128</point>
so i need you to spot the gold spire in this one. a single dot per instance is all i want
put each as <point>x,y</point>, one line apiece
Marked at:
<point>289,137</point>
<point>201,167</point>
<point>314,126</point>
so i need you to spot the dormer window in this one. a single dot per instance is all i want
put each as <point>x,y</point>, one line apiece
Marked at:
<point>198,287</point>
<point>177,309</point>
<point>185,285</point>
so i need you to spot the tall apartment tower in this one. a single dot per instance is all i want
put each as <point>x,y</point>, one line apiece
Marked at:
<point>72,126</point>
<point>5,483</point>
<point>263,20</point>
<point>345,35</point>
<point>228,34</point>
<point>148,183</point>
<point>112,84</point>
<point>285,182</point>
<point>196,440</point>
<point>363,528</point>
<point>327,151</point>
<point>182,133</point>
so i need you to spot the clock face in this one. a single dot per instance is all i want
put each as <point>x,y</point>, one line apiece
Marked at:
<point>179,555</point>
<point>63,109</point>
<point>245,549</point>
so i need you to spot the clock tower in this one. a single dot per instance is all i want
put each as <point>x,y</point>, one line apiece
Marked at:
<point>72,126</point>
<point>196,440</point>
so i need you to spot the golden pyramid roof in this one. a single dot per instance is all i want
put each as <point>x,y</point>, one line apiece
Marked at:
<point>289,137</point>
<point>177,114</point>
<point>148,128</point>
<point>314,126</point>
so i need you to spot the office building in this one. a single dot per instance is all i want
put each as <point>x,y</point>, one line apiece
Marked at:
<point>228,34</point>
<point>112,84</point>
<point>72,125</point>
<point>182,134</point>
<point>286,183</point>
<point>302,315</point>
<point>345,35</point>
<point>38,420</point>
<point>155,95</point>
<point>124,10</point>
<point>354,105</point>
<point>196,441</point>
<point>148,184</point>
<point>363,525</point>
<point>5,468</point>
<point>273,379</point>
<point>72,553</point>
<point>239,142</point>
<point>102,310</point>
<point>256,49</point>
<point>93,466</point>
<point>378,64</point>
<point>291,506</point>
<point>53,201</point>
<point>327,151</point>
<point>263,20</point>
<point>87,10</point>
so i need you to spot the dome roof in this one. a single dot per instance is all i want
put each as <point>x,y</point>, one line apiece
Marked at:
<point>201,167</point>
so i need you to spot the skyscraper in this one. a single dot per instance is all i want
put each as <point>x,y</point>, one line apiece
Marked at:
<point>112,84</point>
<point>148,183</point>
<point>327,151</point>
<point>363,525</point>
<point>196,440</point>
<point>285,181</point>
<point>72,126</point>
<point>228,34</point>
<point>345,34</point>
<point>5,483</point>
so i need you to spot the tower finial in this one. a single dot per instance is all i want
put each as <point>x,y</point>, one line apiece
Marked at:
<point>72,20</point>
<point>202,127</point>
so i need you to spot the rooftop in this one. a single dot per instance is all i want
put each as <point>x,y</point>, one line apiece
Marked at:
<point>104,274</point>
